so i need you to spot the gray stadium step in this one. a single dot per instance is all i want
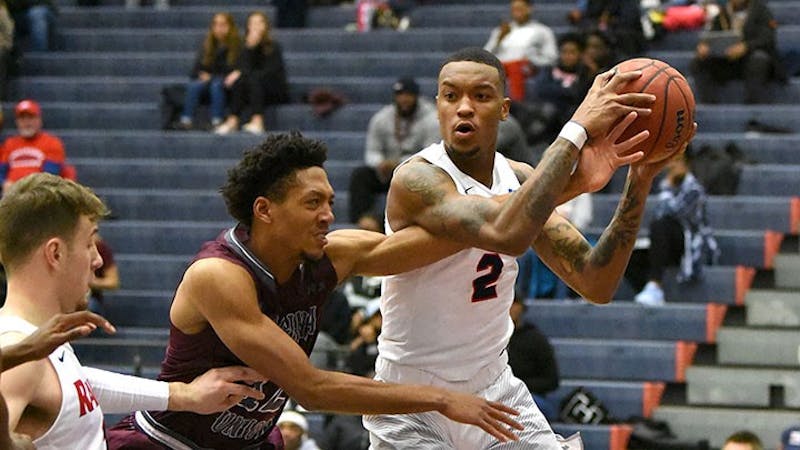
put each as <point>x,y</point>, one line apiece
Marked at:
<point>716,424</point>
<point>179,204</point>
<point>177,174</point>
<point>86,143</point>
<point>769,180</point>
<point>773,308</point>
<point>321,39</point>
<point>111,350</point>
<point>616,359</point>
<point>152,272</point>
<point>739,212</point>
<point>165,238</point>
<point>787,271</point>
<point>759,346</point>
<point>758,147</point>
<point>740,386</point>
<point>719,284</point>
<point>618,320</point>
<point>133,308</point>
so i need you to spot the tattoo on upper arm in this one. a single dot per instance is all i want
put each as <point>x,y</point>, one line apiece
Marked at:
<point>425,181</point>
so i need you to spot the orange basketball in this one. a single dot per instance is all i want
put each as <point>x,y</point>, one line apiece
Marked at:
<point>670,123</point>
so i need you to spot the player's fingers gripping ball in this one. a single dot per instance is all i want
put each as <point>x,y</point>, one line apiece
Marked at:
<point>670,123</point>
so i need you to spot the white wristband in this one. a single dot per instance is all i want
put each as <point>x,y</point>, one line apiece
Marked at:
<point>575,133</point>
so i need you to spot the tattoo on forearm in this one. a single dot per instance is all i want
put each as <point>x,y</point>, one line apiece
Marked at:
<point>623,228</point>
<point>553,177</point>
<point>571,249</point>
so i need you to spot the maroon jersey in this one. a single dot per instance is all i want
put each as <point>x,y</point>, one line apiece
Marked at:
<point>295,306</point>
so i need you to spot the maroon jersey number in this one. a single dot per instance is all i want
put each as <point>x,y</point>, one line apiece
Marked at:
<point>484,287</point>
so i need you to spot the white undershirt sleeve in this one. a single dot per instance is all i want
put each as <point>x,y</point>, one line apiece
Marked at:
<point>119,393</point>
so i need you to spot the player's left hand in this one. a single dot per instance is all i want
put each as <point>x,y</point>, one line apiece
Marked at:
<point>215,391</point>
<point>492,417</point>
<point>600,158</point>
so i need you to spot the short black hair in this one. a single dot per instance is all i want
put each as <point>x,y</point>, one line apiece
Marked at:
<point>268,170</point>
<point>576,38</point>
<point>478,55</point>
<point>746,437</point>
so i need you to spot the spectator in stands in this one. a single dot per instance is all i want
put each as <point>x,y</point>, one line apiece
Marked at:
<point>680,234</point>
<point>743,440</point>
<point>214,70</point>
<point>621,19</point>
<point>523,46</point>
<point>260,77</point>
<point>563,85</point>
<point>330,349</point>
<point>532,359</point>
<point>31,150</point>
<point>33,18</point>
<point>599,54</point>
<point>364,347</point>
<point>294,429</point>
<point>106,277</point>
<point>345,432</point>
<point>6,48</point>
<point>790,438</point>
<point>395,132</point>
<point>160,5</point>
<point>754,58</point>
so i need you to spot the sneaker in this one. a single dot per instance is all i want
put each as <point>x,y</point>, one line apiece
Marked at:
<point>651,295</point>
<point>253,128</point>
<point>224,129</point>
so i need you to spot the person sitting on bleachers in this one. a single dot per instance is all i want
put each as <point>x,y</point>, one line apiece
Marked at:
<point>213,70</point>
<point>743,440</point>
<point>599,53</point>
<point>32,150</point>
<point>523,45</point>
<point>394,132</point>
<point>532,358</point>
<point>621,19</point>
<point>790,438</point>
<point>753,58</point>
<point>680,234</point>
<point>260,77</point>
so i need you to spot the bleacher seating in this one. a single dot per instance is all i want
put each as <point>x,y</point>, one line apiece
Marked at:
<point>100,93</point>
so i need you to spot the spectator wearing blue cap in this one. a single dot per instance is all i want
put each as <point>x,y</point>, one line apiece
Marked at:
<point>790,438</point>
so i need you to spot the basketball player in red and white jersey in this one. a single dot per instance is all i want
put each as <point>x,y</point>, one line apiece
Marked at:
<point>48,227</point>
<point>447,324</point>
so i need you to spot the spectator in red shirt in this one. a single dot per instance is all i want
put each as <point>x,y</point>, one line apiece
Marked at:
<point>32,150</point>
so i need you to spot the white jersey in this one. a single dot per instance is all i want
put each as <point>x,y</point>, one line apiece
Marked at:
<point>79,424</point>
<point>451,317</point>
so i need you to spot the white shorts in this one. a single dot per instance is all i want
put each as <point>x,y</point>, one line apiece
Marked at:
<point>433,431</point>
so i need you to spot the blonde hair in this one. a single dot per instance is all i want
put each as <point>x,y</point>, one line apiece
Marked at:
<point>232,42</point>
<point>39,207</point>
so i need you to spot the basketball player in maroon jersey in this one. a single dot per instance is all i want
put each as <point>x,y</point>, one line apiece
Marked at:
<point>253,297</point>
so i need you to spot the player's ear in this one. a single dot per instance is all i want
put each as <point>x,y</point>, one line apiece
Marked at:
<point>262,209</point>
<point>54,249</point>
<point>504,111</point>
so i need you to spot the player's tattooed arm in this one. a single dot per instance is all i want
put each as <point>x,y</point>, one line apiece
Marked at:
<point>425,195</point>
<point>595,272</point>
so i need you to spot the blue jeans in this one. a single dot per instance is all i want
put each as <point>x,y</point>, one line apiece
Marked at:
<point>216,93</point>
<point>36,21</point>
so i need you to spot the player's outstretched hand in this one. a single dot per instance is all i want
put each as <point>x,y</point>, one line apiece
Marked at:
<point>650,170</point>
<point>215,391</point>
<point>59,329</point>
<point>602,157</point>
<point>494,418</point>
<point>605,104</point>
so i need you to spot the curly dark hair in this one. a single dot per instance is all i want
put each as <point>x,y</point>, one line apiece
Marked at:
<point>269,170</point>
<point>478,55</point>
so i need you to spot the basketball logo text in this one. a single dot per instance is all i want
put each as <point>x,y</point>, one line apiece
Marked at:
<point>676,137</point>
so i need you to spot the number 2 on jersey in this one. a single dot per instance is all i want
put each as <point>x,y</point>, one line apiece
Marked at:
<point>485,286</point>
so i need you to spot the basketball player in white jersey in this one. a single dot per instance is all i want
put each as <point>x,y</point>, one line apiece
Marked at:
<point>447,324</point>
<point>48,228</point>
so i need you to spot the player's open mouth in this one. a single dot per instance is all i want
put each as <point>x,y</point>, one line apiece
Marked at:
<point>464,129</point>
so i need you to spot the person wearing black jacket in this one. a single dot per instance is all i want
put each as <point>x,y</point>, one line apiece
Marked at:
<point>33,18</point>
<point>754,58</point>
<point>532,359</point>
<point>261,78</point>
